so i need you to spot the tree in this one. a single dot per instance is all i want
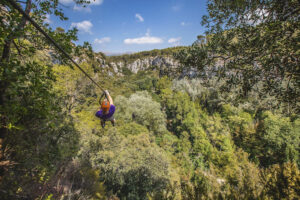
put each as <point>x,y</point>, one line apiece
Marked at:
<point>39,135</point>
<point>281,181</point>
<point>251,42</point>
<point>140,108</point>
<point>280,139</point>
<point>131,166</point>
<point>180,110</point>
<point>15,31</point>
<point>35,134</point>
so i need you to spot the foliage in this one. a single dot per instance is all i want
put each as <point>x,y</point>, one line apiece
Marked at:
<point>280,139</point>
<point>180,110</point>
<point>224,135</point>
<point>140,107</point>
<point>281,181</point>
<point>250,43</point>
<point>206,92</point>
<point>124,163</point>
<point>40,134</point>
<point>35,132</point>
<point>129,58</point>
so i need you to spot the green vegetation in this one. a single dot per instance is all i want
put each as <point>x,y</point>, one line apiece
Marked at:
<point>129,58</point>
<point>201,138</point>
<point>254,43</point>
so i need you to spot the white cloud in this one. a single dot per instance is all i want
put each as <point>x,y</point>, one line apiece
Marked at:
<point>174,40</point>
<point>82,9</point>
<point>139,17</point>
<point>182,23</point>
<point>147,39</point>
<point>95,2</point>
<point>47,19</point>
<point>84,26</point>
<point>66,1</point>
<point>102,40</point>
<point>143,40</point>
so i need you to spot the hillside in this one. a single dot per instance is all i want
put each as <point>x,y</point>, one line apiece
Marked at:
<point>129,58</point>
<point>161,60</point>
<point>218,119</point>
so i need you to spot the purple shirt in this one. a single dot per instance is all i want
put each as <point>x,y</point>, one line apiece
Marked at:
<point>111,111</point>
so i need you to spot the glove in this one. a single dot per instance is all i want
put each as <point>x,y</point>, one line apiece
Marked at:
<point>106,92</point>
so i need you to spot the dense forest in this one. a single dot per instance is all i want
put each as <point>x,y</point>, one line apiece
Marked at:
<point>231,134</point>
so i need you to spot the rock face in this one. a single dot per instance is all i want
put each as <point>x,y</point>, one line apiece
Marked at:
<point>161,63</point>
<point>165,65</point>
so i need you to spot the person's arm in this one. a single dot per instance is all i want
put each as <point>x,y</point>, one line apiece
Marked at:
<point>100,99</point>
<point>109,98</point>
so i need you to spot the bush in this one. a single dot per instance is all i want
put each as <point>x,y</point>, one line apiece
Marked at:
<point>140,108</point>
<point>131,166</point>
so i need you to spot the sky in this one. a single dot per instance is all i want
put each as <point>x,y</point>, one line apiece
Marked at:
<point>124,26</point>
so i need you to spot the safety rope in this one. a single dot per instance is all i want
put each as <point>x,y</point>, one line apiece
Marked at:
<point>15,5</point>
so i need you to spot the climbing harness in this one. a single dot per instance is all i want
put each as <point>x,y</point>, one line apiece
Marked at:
<point>15,5</point>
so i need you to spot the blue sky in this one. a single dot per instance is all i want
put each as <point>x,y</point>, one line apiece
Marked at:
<point>119,26</point>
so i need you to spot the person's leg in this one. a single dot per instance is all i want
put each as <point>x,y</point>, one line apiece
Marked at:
<point>102,123</point>
<point>113,121</point>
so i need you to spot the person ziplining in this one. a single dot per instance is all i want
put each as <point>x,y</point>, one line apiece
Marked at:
<point>107,109</point>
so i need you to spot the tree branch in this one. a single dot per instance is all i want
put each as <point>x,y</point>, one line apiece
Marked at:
<point>11,36</point>
<point>289,14</point>
<point>19,52</point>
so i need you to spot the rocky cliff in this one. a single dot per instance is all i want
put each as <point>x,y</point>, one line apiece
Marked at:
<point>166,65</point>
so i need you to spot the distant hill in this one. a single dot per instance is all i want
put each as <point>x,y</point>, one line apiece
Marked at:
<point>131,57</point>
<point>117,53</point>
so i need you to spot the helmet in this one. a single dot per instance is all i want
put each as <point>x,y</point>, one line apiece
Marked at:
<point>105,105</point>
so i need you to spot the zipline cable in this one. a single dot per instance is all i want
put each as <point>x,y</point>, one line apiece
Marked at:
<point>15,5</point>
